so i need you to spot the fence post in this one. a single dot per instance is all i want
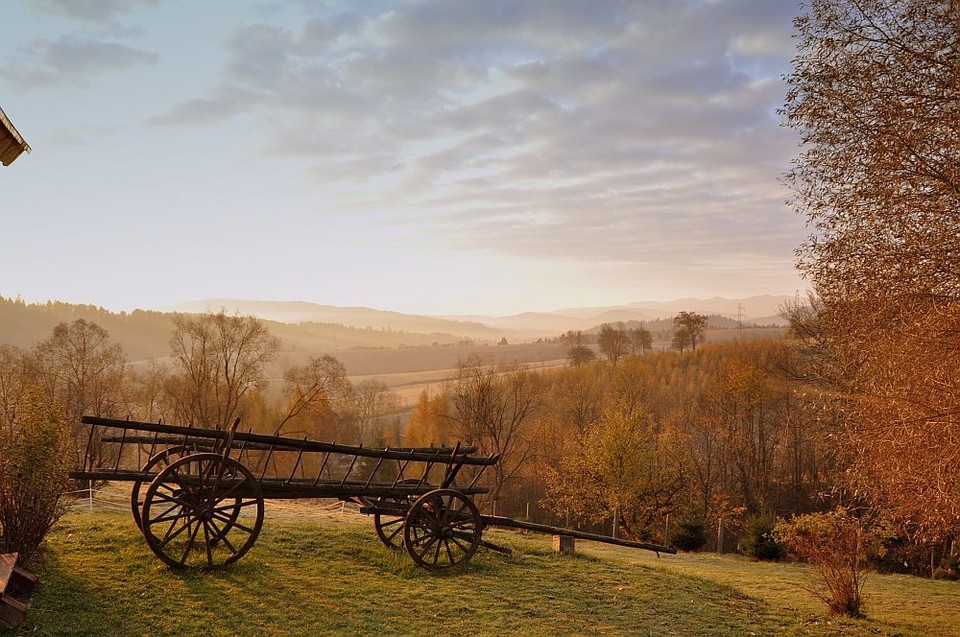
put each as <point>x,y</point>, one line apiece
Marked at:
<point>90,497</point>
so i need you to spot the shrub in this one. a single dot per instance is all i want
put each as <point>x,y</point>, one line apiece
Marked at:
<point>759,541</point>
<point>836,543</point>
<point>33,476</point>
<point>690,536</point>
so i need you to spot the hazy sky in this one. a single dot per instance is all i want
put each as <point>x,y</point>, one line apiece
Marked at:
<point>426,156</point>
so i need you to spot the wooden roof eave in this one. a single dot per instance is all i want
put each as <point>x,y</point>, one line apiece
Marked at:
<point>12,144</point>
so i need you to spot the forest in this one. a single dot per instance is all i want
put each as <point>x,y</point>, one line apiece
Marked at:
<point>704,444</point>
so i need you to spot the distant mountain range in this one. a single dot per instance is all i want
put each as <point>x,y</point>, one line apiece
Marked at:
<point>307,328</point>
<point>755,310</point>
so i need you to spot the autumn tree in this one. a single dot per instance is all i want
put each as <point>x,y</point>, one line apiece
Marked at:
<point>370,405</point>
<point>577,396</point>
<point>147,389</point>
<point>219,358</point>
<point>310,393</point>
<point>13,376</point>
<point>741,424</point>
<point>493,407</point>
<point>873,96</point>
<point>34,460</point>
<point>640,340</point>
<point>688,329</point>
<point>578,350</point>
<point>614,342</point>
<point>429,422</point>
<point>624,467</point>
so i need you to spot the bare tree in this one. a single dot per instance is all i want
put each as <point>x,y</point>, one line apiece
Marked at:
<point>493,407</point>
<point>371,405</point>
<point>148,398</point>
<point>81,371</point>
<point>312,390</point>
<point>220,358</point>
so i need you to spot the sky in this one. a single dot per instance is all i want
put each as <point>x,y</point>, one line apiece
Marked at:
<point>428,156</point>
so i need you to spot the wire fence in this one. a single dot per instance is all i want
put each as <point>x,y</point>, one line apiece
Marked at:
<point>113,499</point>
<point>97,499</point>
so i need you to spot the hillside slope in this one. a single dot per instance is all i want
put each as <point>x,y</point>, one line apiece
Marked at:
<point>329,575</point>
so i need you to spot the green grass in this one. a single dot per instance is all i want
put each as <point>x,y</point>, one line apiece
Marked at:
<point>332,577</point>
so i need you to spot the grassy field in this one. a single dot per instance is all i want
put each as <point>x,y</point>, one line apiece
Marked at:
<point>313,574</point>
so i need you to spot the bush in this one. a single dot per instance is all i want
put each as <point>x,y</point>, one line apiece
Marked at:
<point>759,541</point>
<point>836,543</point>
<point>690,536</point>
<point>33,476</point>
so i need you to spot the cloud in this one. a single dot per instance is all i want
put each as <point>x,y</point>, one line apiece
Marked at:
<point>94,11</point>
<point>70,61</point>
<point>553,129</point>
<point>80,135</point>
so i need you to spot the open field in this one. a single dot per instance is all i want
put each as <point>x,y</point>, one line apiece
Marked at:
<point>323,573</point>
<point>409,385</point>
<point>409,371</point>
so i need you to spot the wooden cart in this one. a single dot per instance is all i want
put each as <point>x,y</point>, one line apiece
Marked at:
<point>198,494</point>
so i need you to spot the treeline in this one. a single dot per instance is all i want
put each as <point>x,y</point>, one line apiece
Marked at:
<point>715,442</point>
<point>711,438</point>
<point>215,375</point>
<point>146,334</point>
<point>712,435</point>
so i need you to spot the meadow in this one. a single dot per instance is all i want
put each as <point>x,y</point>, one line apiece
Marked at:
<point>327,574</point>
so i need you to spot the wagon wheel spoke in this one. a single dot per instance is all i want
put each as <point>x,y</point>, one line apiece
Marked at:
<point>170,535</point>
<point>161,497</point>
<point>170,531</point>
<point>233,525</point>
<point>167,517</point>
<point>456,540</point>
<point>426,546</point>
<point>232,489</point>
<point>389,530</point>
<point>208,543</point>
<point>436,555</point>
<point>389,520</point>
<point>442,529</point>
<point>203,492</point>
<point>190,541</point>
<point>222,537</point>
<point>156,463</point>
<point>231,507</point>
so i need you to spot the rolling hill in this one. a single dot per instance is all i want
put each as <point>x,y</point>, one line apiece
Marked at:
<point>309,328</point>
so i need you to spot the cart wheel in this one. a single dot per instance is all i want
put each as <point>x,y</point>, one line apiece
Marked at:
<point>157,461</point>
<point>442,529</point>
<point>203,511</point>
<point>389,526</point>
